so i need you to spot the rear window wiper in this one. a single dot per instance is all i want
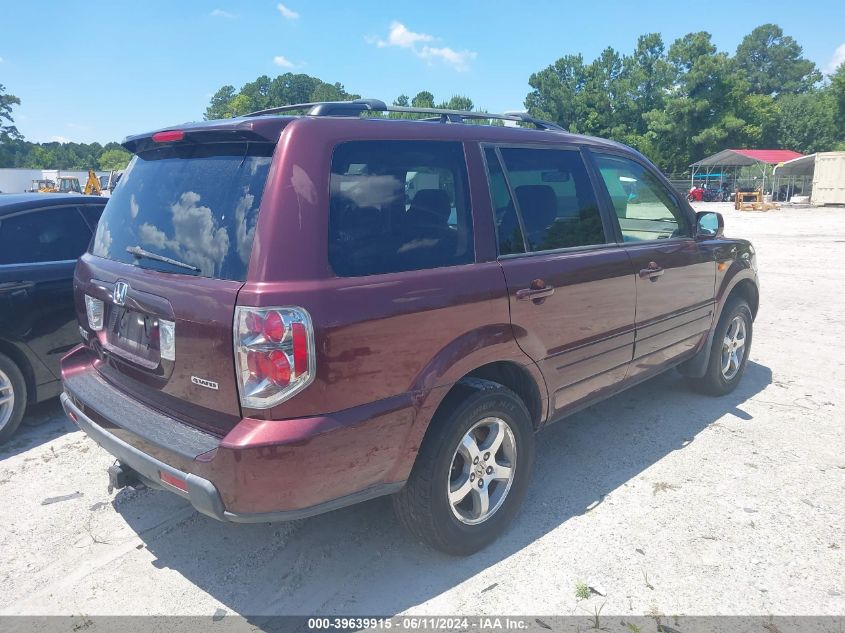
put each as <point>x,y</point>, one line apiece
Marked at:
<point>141,253</point>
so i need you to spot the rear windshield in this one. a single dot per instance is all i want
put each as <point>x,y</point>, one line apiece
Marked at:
<point>194,204</point>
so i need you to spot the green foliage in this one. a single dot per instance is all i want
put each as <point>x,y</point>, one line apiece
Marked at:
<point>680,105</point>
<point>772,63</point>
<point>837,93</point>
<point>582,591</point>
<point>114,159</point>
<point>8,131</point>
<point>23,154</point>
<point>266,93</point>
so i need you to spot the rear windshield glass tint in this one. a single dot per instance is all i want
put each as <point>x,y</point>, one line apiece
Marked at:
<point>197,204</point>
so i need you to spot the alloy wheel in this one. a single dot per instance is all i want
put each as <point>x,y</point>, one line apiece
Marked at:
<point>7,399</point>
<point>482,471</point>
<point>733,347</point>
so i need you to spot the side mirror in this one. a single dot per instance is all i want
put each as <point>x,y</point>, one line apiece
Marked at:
<point>709,225</point>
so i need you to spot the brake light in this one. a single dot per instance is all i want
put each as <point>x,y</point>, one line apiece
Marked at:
<point>274,354</point>
<point>169,136</point>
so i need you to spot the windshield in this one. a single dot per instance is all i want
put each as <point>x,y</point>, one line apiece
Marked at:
<point>196,204</point>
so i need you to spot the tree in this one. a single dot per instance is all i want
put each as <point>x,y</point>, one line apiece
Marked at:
<point>114,159</point>
<point>264,92</point>
<point>556,92</point>
<point>219,106</point>
<point>807,122</point>
<point>423,99</point>
<point>837,93</point>
<point>772,63</point>
<point>8,131</point>
<point>704,111</point>
<point>457,102</point>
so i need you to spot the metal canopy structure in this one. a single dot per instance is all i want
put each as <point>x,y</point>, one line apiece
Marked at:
<point>764,159</point>
<point>794,176</point>
<point>802,166</point>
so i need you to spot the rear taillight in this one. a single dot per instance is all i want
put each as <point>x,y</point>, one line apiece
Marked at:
<point>94,310</point>
<point>274,354</point>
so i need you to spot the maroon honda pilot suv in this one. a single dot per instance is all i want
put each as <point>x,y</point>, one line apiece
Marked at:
<point>283,314</point>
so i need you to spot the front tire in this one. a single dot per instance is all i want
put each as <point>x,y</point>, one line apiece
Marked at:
<point>730,349</point>
<point>12,397</point>
<point>472,471</point>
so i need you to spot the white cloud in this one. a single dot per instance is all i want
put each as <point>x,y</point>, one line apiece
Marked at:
<point>284,62</point>
<point>401,36</point>
<point>1,60</point>
<point>196,237</point>
<point>837,60</point>
<point>220,13</point>
<point>289,14</point>
<point>459,59</point>
<point>60,139</point>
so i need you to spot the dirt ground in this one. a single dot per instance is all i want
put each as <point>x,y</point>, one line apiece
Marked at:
<point>660,499</point>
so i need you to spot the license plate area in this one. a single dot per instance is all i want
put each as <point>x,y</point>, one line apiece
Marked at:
<point>134,335</point>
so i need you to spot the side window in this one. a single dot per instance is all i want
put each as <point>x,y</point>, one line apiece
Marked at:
<point>398,205</point>
<point>55,234</point>
<point>645,208</point>
<point>92,213</point>
<point>555,197</point>
<point>507,224</point>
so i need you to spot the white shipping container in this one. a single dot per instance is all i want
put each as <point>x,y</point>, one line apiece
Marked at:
<point>829,178</point>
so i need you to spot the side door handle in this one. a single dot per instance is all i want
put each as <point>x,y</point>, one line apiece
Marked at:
<point>653,271</point>
<point>15,289</point>
<point>537,291</point>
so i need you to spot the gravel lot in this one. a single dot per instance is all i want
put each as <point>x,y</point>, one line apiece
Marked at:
<point>661,499</point>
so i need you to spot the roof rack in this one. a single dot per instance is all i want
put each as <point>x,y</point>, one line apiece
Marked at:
<point>356,107</point>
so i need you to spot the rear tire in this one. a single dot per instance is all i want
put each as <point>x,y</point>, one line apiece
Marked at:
<point>460,497</point>
<point>12,397</point>
<point>729,352</point>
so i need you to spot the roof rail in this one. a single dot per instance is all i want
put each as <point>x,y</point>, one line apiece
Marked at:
<point>356,107</point>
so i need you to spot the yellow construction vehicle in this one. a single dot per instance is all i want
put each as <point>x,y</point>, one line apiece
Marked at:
<point>65,185</point>
<point>92,186</point>
<point>43,186</point>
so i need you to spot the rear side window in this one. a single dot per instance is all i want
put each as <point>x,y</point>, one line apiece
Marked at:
<point>508,231</point>
<point>646,209</point>
<point>193,203</point>
<point>398,206</point>
<point>46,235</point>
<point>555,198</point>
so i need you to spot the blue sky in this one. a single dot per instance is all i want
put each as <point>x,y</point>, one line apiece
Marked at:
<point>92,70</point>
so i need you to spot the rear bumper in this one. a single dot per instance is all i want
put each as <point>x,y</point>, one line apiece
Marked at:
<point>201,493</point>
<point>262,470</point>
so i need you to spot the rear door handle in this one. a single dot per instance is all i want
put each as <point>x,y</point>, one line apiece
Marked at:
<point>534,293</point>
<point>652,272</point>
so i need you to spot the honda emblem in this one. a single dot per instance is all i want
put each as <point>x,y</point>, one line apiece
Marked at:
<point>120,290</point>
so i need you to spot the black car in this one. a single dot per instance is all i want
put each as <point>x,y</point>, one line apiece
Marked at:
<point>41,237</point>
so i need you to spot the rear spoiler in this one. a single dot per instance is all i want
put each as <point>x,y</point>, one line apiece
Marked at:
<point>146,142</point>
<point>225,131</point>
